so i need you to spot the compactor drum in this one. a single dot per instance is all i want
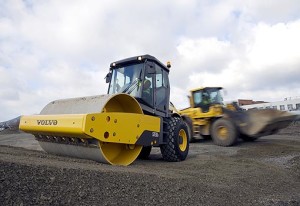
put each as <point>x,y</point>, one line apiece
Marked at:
<point>117,127</point>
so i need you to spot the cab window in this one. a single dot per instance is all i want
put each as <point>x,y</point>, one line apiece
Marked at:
<point>161,86</point>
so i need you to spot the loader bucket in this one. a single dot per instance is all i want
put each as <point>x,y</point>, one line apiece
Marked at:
<point>101,128</point>
<point>257,123</point>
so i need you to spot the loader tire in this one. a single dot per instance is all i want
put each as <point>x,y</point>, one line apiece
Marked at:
<point>224,132</point>
<point>177,140</point>
<point>145,152</point>
<point>189,124</point>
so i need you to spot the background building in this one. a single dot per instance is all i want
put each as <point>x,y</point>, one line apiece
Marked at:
<point>288,104</point>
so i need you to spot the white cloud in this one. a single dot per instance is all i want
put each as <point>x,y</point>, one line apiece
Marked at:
<point>270,11</point>
<point>59,49</point>
<point>262,64</point>
<point>204,54</point>
<point>275,44</point>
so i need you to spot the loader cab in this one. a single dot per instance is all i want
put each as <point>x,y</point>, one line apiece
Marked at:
<point>206,97</point>
<point>146,79</point>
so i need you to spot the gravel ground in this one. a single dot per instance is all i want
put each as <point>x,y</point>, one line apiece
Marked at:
<point>265,172</point>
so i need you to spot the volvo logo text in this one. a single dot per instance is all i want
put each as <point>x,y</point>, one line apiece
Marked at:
<point>47,122</point>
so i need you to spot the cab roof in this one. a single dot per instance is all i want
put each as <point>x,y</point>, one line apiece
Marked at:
<point>204,88</point>
<point>137,59</point>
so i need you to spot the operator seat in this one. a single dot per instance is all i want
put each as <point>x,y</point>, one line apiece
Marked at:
<point>147,93</point>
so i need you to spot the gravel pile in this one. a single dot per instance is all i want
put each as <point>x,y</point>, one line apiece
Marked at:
<point>265,172</point>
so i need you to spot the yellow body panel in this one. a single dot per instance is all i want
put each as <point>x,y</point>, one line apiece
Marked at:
<point>62,125</point>
<point>111,127</point>
<point>202,120</point>
<point>196,113</point>
<point>120,127</point>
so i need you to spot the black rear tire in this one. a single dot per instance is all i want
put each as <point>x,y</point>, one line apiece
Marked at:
<point>145,152</point>
<point>177,140</point>
<point>224,132</point>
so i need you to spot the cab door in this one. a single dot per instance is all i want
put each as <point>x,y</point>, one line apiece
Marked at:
<point>162,89</point>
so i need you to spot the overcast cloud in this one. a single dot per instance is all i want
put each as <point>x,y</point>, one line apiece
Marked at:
<point>58,49</point>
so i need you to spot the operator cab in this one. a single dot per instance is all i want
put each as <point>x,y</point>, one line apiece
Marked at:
<point>207,96</point>
<point>146,79</point>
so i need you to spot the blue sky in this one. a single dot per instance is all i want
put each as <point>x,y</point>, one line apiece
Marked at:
<point>59,49</point>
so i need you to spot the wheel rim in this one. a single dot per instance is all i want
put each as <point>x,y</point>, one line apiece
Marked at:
<point>223,132</point>
<point>184,137</point>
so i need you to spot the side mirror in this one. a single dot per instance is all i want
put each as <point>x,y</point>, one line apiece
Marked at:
<point>150,68</point>
<point>108,77</point>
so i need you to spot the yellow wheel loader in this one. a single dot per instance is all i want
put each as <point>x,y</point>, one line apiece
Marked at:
<point>120,126</point>
<point>208,117</point>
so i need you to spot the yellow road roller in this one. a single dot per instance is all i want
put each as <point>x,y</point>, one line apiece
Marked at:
<point>120,126</point>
